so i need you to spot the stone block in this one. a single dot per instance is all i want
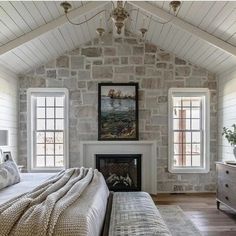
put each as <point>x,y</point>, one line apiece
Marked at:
<point>162,99</point>
<point>109,51</point>
<point>40,70</point>
<point>84,75</point>
<point>161,65</point>
<point>123,50</point>
<point>149,59</point>
<point>102,72</point>
<point>86,112</point>
<point>151,71</point>
<point>54,83</point>
<point>77,62</point>
<point>138,50</point>
<point>130,40</point>
<point>150,48</point>
<point>92,52</point>
<point>196,71</point>
<point>136,60</point>
<point>111,60</point>
<point>75,95</point>
<point>124,60</point>
<point>81,84</point>
<point>182,70</point>
<point>151,102</point>
<point>121,78</point>
<point>151,83</point>
<point>163,56</point>
<point>62,62</point>
<point>179,61</point>
<point>63,73</point>
<point>92,85</point>
<point>124,69</point>
<point>51,74</point>
<point>97,62</point>
<point>140,70</point>
<point>90,99</point>
<point>70,83</point>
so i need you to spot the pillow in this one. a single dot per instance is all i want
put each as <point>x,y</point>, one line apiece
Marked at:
<point>9,174</point>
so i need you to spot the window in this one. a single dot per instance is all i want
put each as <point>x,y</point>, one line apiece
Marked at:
<point>188,130</point>
<point>47,129</point>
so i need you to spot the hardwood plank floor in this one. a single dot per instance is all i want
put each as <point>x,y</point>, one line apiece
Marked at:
<point>201,209</point>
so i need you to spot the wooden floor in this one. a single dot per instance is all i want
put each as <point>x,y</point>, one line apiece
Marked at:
<point>201,209</point>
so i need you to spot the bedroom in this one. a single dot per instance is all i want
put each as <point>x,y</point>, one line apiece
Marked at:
<point>69,93</point>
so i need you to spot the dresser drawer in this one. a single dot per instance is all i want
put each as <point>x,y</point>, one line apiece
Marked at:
<point>226,172</point>
<point>227,186</point>
<point>229,198</point>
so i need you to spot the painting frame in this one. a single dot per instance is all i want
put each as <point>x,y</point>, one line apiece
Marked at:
<point>105,134</point>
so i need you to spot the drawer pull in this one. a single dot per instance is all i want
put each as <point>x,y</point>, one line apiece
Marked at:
<point>227,172</point>
<point>227,198</point>
<point>226,185</point>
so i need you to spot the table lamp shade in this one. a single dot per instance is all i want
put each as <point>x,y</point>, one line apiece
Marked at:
<point>3,137</point>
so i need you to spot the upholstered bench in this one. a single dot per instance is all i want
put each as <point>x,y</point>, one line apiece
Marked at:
<point>134,213</point>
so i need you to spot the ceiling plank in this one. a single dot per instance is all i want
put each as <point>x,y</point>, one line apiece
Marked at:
<point>81,11</point>
<point>159,13</point>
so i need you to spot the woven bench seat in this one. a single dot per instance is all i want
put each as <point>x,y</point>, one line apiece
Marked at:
<point>134,213</point>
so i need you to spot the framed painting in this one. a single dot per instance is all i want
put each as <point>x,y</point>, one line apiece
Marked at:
<point>118,111</point>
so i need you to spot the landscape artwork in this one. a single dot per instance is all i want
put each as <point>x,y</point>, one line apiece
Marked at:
<point>118,111</point>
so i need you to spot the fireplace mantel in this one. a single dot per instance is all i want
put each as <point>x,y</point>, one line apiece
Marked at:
<point>148,150</point>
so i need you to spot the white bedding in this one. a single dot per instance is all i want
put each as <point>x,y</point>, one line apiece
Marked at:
<point>87,212</point>
<point>28,182</point>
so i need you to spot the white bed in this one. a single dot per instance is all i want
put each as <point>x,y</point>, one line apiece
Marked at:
<point>86,215</point>
<point>28,182</point>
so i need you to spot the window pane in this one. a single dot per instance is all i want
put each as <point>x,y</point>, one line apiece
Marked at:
<point>177,160</point>
<point>40,124</point>
<point>59,112</point>
<point>188,160</point>
<point>195,124</point>
<point>186,102</point>
<point>50,112</point>
<point>196,160</point>
<point>59,161</point>
<point>59,148</point>
<point>177,101</point>
<point>40,149</point>
<point>186,124</point>
<point>49,137</point>
<point>40,136</point>
<point>177,137</point>
<point>40,112</point>
<point>177,149</point>
<point>196,102</point>
<point>59,101</point>
<point>59,137</point>
<point>41,101</point>
<point>50,124</point>
<point>49,149</point>
<point>49,161</point>
<point>187,137</point>
<point>187,148</point>
<point>40,161</point>
<point>196,137</point>
<point>50,101</point>
<point>195,113</point>
<point>59,124</point>
<point>196,149</point>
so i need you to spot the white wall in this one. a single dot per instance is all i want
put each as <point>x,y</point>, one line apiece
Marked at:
<point>226,112</point>
<point>9,109</point>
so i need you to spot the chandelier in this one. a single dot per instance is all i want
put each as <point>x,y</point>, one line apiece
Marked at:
<point>119,15</point>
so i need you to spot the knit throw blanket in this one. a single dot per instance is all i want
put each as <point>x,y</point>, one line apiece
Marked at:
<point>37,212</point>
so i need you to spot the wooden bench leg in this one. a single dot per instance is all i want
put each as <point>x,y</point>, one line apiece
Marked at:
<point>218,205</point>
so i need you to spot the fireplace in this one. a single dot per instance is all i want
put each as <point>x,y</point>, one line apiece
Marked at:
<point>122,172</point>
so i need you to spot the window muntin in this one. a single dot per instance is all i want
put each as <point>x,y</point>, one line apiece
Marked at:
<point>48,129</point>
<point>188,130</point>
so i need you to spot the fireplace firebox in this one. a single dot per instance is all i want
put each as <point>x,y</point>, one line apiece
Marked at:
<point>122,172</point>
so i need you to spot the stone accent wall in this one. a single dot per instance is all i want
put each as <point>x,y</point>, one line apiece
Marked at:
<point>124,60</point>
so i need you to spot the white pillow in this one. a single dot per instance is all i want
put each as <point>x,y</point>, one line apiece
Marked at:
<point>9,174</point>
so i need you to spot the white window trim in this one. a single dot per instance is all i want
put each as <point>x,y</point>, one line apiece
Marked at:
<point>30,129</point>
<point>206,126</point>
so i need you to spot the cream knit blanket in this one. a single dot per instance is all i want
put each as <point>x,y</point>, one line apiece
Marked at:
<point>37,212</point>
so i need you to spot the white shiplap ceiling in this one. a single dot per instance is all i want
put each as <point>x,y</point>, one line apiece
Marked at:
<point>21,21</point>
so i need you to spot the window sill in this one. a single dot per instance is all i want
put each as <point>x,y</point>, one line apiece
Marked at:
<point>188,171</point>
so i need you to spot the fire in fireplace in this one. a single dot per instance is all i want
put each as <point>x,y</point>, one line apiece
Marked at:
<point>122,172</point>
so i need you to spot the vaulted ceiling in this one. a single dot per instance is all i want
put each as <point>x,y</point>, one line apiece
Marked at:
<point>34,32</point>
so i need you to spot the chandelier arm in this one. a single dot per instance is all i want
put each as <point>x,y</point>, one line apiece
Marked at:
<point>73,23</point>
